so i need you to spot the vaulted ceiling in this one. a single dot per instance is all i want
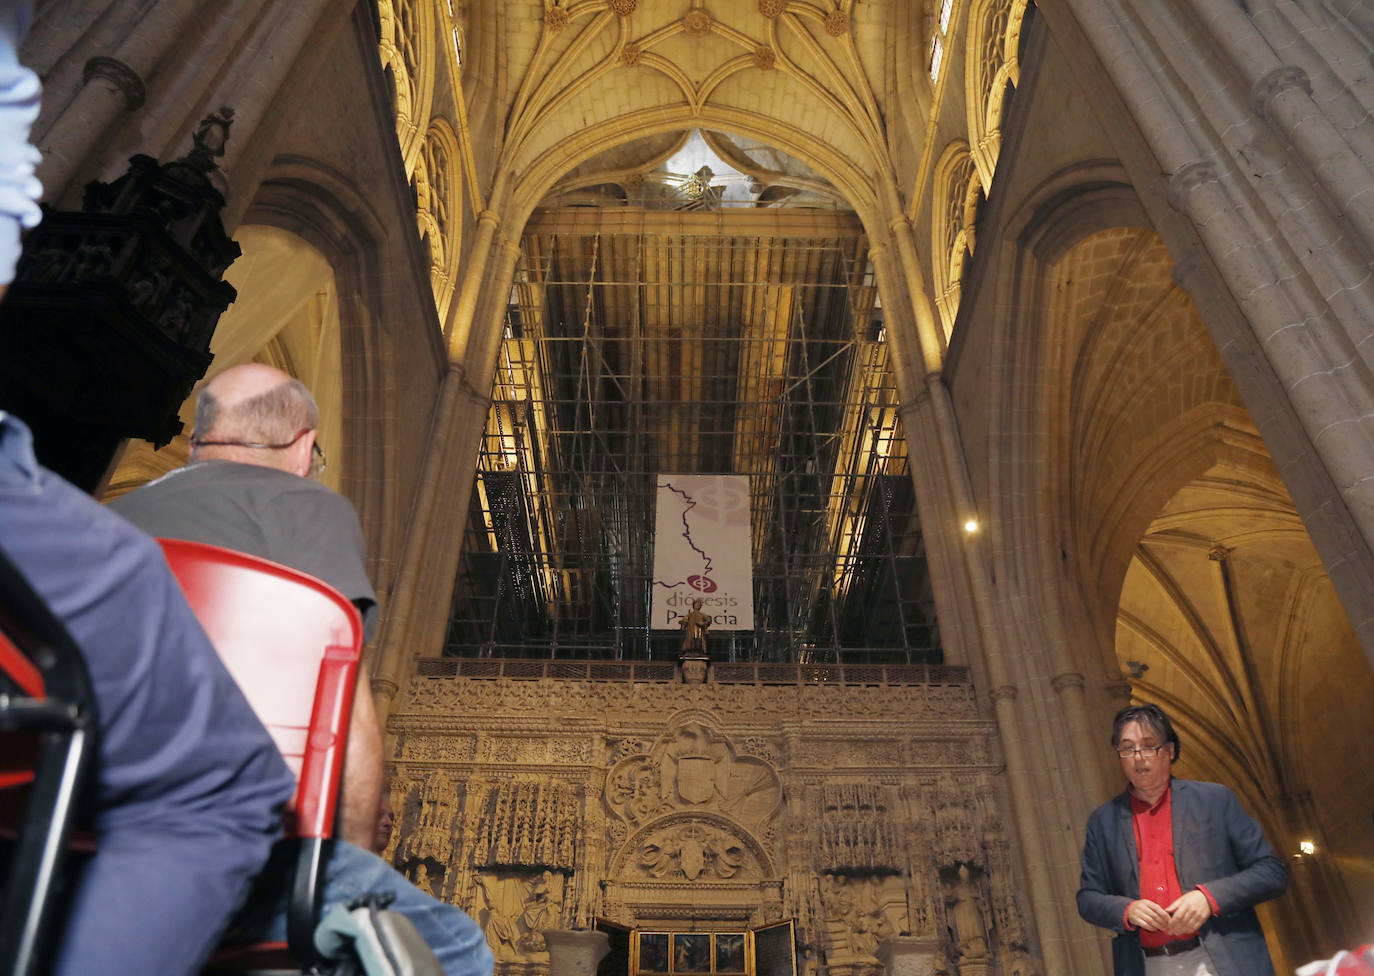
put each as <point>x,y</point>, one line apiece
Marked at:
<point>791,91</point>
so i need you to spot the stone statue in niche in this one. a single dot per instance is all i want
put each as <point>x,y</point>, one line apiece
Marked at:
<point>967,915</point>
<point>427,875</point>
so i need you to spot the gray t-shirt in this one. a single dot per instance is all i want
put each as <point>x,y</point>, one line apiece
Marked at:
<point>264,512</point>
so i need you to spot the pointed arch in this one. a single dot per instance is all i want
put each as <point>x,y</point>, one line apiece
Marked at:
<point>991,64</point>
<point>954,210</point>
<point>441,212</point>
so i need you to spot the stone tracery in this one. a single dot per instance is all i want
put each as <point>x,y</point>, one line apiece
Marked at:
<point>693,796</point>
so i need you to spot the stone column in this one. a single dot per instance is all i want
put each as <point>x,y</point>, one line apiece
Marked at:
<point>458,410</point>
<point>575,952</point>
<point>1307,340</point>
<point>910,956</point>
<point>994,669</point>
<point>415,623</point>
<point>937,518</point>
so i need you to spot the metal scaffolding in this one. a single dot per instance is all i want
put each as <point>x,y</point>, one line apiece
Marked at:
<point>634,352</point>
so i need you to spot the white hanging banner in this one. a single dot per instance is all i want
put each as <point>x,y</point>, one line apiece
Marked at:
<point>702,551</point>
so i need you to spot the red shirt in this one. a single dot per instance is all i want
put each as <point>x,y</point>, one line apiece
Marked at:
<point>1154,843</point>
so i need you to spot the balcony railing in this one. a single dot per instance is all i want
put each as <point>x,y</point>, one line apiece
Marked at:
<point>723,673</point>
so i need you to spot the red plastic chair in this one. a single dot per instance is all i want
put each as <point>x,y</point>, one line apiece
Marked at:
<point>293,644</point>
<point>48,742</point>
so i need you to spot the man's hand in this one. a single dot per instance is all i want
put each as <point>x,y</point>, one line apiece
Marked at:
<point>1145,914</point>
<point>1188,913</point>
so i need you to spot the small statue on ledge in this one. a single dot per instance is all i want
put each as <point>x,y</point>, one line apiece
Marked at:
<point>694,627</point>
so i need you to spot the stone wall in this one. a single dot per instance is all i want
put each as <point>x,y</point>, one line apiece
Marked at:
<point>862,802</point>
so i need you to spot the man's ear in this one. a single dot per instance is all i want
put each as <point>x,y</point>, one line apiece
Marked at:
<point>304,452</point>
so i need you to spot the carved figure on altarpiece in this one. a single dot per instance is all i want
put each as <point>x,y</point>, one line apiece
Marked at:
<point>860,913</point>
<point>426,873</point>
<point>967,915</point>
<point>515,908</point>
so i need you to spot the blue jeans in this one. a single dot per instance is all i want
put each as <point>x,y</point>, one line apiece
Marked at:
<point>350,871</point>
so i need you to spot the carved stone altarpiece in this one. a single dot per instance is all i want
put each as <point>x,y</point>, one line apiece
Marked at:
<point>866,813</point>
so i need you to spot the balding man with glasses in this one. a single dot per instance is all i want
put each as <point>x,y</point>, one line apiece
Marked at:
<point>248,487</point>
<point>1175,867</point>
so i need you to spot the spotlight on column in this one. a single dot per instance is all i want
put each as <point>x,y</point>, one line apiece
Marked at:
<point>1306,848</point>
<point>971,526</point>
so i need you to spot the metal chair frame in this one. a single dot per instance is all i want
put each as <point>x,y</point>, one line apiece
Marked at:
<point>45,690</point>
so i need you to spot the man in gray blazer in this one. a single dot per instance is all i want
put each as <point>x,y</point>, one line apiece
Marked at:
<point>1175,867</point>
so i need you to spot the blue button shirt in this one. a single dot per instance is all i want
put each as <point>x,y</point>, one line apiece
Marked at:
<point>190,786</point>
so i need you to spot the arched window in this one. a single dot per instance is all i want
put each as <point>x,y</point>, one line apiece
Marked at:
<point>959,194</point>
<point>992,68</point>
<point>939,31</point>
<point>439,204</point>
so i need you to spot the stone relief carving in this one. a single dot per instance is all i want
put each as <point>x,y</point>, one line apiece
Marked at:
<point>440,696</point>
<point>532,823</point>
<point>693,767</point>
<point>968,752</point>
<point>856,833</point>
<point>757,745</point>
<point>859,914</point>
<point>524,749</point>
<point>515,910</point>
<point>447,748</point>
<point>696,803</point>
<point>832,754</point>
<point>618,749</point>
<point>693,851</point>
<point>691,848</point>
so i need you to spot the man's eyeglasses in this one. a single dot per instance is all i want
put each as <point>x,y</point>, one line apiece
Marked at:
<point>317,458</point>
<point>1144,752</point>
